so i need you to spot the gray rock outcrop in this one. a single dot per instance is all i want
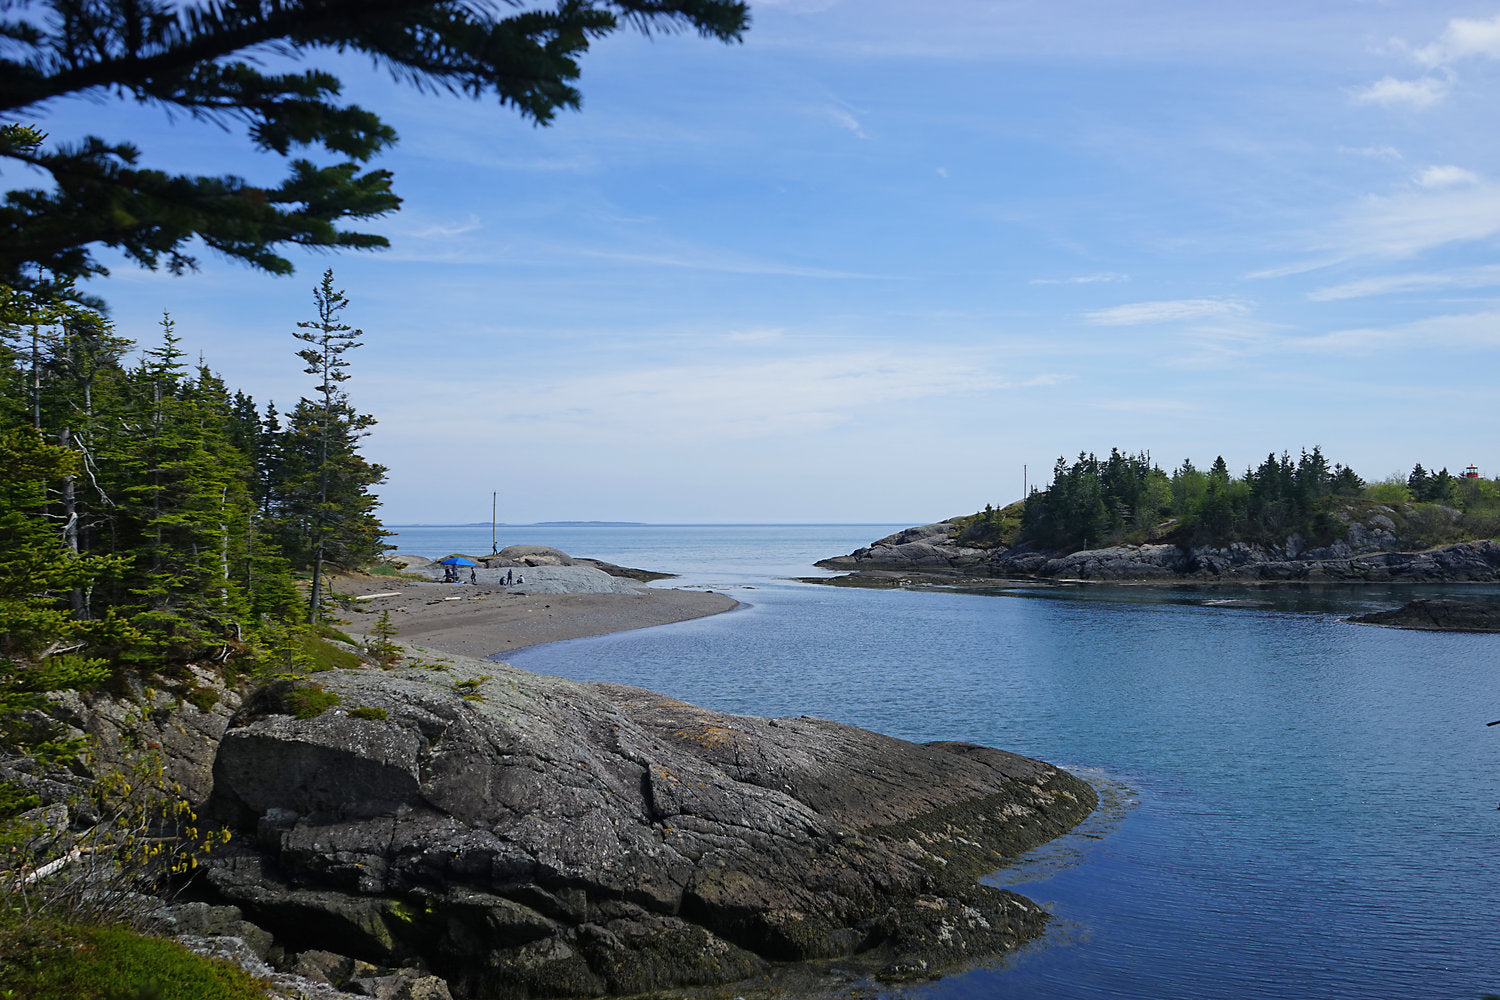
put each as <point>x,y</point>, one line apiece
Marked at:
<point>1438,615</point>
<point>527,836</point>
<point>1369,553</point>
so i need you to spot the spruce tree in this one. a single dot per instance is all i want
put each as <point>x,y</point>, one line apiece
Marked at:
<point>202,59</point>
<point>323,484</point>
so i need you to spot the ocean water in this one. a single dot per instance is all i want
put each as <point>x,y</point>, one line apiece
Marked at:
<point>1297,806</point>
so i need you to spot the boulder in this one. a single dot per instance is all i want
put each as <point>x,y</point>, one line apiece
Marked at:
<point>536,555</point>
<point>524,836</point>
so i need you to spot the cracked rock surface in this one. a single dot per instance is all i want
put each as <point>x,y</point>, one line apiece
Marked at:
<point>527,836</point>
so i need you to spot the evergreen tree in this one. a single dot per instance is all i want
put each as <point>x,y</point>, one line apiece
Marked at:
<point>201,59</point>
<point>323,484</point>
<point>39,639</point>
<point>1417,482</point>
<point>186,494</point>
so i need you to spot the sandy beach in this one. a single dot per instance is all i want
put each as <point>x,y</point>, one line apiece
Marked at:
<point>470,620</point>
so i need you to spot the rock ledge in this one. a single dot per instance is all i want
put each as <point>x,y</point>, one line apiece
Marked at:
<point>526,836</point>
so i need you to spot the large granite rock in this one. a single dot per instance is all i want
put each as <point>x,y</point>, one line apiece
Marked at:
<point>172,721</point>
<point>528,836</point>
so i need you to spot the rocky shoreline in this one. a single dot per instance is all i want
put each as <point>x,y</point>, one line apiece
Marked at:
<point>1370,554</point>
<point>525,836</point>
<point>452,827</point>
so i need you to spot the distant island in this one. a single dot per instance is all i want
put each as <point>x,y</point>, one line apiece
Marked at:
<point>530,524</point>
<point>1125,519</point>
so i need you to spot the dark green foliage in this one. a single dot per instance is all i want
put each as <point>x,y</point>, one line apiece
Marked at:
<point>1092,503</point>
<point>1439,487</point>
<point>310,701</point>
<point>318,497</point>
<point>381,645</point>
<point>39,638</point>
<point>144,537</point>
<point>201,59</point>
<point>1122,499</point>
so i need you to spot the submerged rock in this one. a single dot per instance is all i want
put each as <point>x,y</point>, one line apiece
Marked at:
<point>528,836</point>
<point>1437,615</point>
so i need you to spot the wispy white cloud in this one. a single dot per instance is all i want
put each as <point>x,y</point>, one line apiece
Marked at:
<point>733,401</point>
<point>445,230</point>
<point>1463,38</point>
<point>844,119</point>
<point>1444,206</point>
<point>1420,93</point>
<point>1474,277</point>
<point>544,253</point>
<point>1170,311</point>
<point>1446,176</point>
<point>1222,344</point>
<point>720,263</point>
<point>1463,330</point>
<point>1373,152</point>
<point>1082,279</point>
<point>1409,223</point>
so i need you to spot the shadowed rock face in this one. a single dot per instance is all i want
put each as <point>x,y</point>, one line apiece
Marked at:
<point>558,839</point>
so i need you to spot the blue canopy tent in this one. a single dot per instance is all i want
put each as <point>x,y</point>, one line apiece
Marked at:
<point>450,575</point>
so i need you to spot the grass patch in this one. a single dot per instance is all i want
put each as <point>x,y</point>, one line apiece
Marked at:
<point>394,572</point>
<point>42,958</point>
<point>367,712</point>
<point>324,655</point>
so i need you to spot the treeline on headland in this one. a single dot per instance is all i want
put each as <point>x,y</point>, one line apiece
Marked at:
<point>1125,498</point>
<point>151,516</point>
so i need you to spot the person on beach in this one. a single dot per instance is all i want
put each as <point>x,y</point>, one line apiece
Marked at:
<point>472,577</point>
<point>510,576</point>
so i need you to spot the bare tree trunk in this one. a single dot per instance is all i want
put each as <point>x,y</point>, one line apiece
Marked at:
<point>224,546</point>
<point>70,522</point>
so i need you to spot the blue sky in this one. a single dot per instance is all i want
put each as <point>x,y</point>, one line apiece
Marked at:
<point>874,261</point>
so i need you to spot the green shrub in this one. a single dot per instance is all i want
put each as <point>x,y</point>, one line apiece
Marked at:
<point>203,698</point>
<point>1391,491</point>
<point>48,959</point>
<point>367,712</point>
<point>469,689</point>
<point>308,701</point>
<point>380,645</point>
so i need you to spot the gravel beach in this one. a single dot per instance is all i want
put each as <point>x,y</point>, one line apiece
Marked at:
<point>556,603</point>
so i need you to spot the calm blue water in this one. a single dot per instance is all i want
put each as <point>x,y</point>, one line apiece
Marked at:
<point>1302,807</point>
